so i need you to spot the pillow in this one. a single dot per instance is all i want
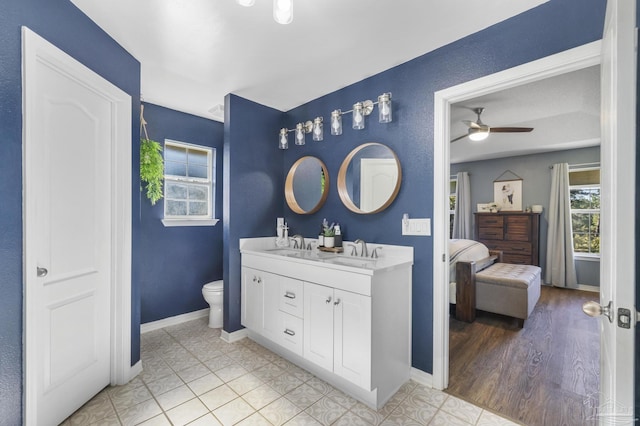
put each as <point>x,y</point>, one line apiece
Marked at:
<point>464,250</point>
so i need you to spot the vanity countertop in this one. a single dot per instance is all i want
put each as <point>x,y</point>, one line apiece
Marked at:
<point>390,257</point>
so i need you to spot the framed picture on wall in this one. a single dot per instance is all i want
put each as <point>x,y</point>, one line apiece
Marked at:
<point>508,194</point>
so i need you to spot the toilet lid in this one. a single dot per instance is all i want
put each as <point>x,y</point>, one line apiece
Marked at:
<point>214,286</point>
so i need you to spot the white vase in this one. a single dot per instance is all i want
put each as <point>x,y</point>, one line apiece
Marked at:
<point>329,241</point>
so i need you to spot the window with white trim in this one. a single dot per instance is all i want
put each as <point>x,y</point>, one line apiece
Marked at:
<point>584,193</point>
<point>189,181</point>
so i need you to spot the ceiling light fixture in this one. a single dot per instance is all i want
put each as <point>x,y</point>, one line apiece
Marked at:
<point>360,111</point>
<point>478,135</point>
<point>300,132</point>
<point>282,9</point>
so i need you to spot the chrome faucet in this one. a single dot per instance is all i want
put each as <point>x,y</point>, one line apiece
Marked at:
<point>298,241</point>
<point>374,255</point>
<point>363,250</point>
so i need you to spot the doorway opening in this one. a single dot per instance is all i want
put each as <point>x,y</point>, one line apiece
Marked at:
<point>556,65</point>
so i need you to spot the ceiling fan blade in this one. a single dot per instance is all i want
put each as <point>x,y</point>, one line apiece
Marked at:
<point>472,124</point>
<point>458,138</point>
<point>511,129</point>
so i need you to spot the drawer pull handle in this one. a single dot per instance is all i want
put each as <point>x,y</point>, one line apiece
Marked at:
<point>259,280</point>
<point>337,302</point>
<point>290,295</point>
<point>328,300</point>
<point>289,332</point>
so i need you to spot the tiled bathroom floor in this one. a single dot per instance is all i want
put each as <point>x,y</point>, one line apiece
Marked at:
<point>192,377</point>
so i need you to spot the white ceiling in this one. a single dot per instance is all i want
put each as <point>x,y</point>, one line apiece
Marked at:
<point>194,52</point>
<point>564,112</point>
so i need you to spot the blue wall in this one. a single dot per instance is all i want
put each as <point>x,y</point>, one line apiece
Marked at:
<point>175,262</point>
<point>253,185</point>
<point>65,26</point>
<point>536,185</point>
<point>550,28</point>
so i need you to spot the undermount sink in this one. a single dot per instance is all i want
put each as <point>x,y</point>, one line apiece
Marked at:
<point>358,262</point>
<point>286,252</point>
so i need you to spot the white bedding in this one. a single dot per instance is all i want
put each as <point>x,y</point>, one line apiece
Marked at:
<point>463,250</point>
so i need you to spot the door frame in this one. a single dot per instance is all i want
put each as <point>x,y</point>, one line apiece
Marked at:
<point>37,49</point>
<point>571,60</point>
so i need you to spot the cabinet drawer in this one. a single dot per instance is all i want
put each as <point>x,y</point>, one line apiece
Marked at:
<point>493,221</point>
<point>518,229</point>
<point>290,297</point>
<point>291,329</point>
<point>490,233</point>
<point>509,247</point>
<point>516,259</point>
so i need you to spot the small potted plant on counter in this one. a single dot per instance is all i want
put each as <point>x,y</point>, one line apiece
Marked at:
<point>329,233</point>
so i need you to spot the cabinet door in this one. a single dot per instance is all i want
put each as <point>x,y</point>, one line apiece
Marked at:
<point>252,299</point>
<point>271,295</point>
<point>318,325</point>
<point>352,338</point>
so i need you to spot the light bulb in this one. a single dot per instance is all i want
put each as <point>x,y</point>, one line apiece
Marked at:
<point>358,116</point>
<point>318,132</point>
<point>284,140</point>
<point>336,122</point>
<point>283,11</point>
<point>299,134</point>
<point>384,108</point>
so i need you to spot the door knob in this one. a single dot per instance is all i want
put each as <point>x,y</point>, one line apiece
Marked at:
<point>594,309</point>
<point>41,272</point>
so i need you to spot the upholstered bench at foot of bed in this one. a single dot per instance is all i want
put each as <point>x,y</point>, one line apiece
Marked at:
<point>508,289</point>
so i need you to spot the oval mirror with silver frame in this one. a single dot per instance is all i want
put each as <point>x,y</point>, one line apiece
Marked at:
<point>369,178</point>
<point>307,185</point>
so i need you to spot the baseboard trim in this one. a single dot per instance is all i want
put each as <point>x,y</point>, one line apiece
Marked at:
<point>421,377</point>
<point>178,319</point>
<point>233,336</point>
<point>135,369</point>
<point>591,288</point>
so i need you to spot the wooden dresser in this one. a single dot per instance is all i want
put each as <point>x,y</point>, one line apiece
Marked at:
<point>516,234</point>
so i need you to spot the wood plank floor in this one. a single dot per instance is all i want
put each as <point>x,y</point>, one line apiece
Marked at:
<point>546,373</point>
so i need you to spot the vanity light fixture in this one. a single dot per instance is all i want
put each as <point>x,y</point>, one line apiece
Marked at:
<point>336,122</point>
<point>300,132</point>
<point>360,111</point>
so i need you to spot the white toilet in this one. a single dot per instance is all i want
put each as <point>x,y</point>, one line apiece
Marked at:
<point>212,293</point>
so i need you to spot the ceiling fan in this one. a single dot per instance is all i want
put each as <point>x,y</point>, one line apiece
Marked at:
<point>479,131</point>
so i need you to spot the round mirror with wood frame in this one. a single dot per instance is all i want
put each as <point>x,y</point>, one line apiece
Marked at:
<point>369,178</point>
<point>307,185</point>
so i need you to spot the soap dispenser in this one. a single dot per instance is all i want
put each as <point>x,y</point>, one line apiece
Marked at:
<point>321,237</point>
<point>338,236</point>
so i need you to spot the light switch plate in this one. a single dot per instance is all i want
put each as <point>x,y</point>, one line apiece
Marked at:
<point>420,227</point>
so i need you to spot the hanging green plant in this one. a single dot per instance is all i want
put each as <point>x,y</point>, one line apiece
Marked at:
<point>151,168</point>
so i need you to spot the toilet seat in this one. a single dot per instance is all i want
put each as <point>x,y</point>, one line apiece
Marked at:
<point>213,286</point>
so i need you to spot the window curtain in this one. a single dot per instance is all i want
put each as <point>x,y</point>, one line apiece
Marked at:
<point>560,269</point>
<point>462,213</point>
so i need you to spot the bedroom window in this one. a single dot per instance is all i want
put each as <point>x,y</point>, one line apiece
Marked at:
<point>584,192</point>
<point>452,204</point>
<point>189,180</point>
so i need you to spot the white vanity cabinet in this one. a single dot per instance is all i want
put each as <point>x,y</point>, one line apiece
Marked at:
<point>348,325</point>
<point>337,332</point>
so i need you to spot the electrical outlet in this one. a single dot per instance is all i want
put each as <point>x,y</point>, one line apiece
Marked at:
<point>420,227</point>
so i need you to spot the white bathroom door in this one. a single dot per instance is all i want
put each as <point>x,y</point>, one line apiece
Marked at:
<point>618,209</point>
<point>68,149</point>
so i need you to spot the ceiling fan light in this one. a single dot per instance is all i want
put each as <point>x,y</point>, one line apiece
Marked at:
<point>283,11</point>
<point>478,135</point>
<point>246,3</point>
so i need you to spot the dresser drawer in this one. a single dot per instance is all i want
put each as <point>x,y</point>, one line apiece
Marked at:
<point>490,233</point>
<point>516,259</point>
<point>510,247</point>
<point>290,333</point>
<point>290,297</point>
<point>493,221</point>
